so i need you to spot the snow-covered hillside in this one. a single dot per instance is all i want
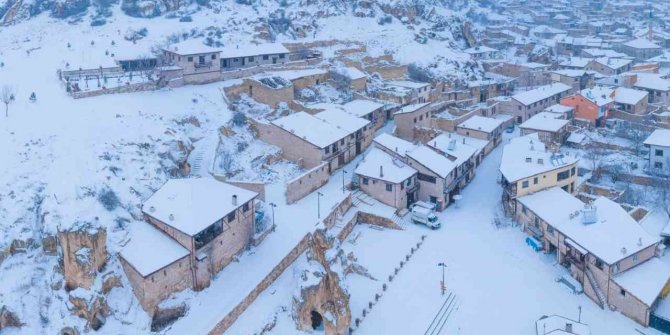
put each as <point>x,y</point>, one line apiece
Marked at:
<point>69,163</point>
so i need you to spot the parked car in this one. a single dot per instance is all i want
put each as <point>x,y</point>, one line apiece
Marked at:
<point>425,216</point>
<point>510,129</point>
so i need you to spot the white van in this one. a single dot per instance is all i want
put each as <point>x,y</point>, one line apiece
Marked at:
<point>426,216</point>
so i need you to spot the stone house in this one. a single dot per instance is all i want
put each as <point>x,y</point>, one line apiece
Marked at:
<point>550,128</point>
<point>659,151</point>
<point>578,79</point>
<point>419,91</point>
<point>527,166</point>
<point>657,87</point>
<point>620,271</point>
<point>483,128</point>
<point>562,111</point>
<point>435,174</point>
<point>387,179</point>
<point>466,152</point>
<point>308,140</point>
<point>411,116</point>
<point>195,227</point>
<point>250,55</point>
<point>641,49</point>
<point>608,66</point>
<point>481,52</point>
<point>526,104</point>
<point>482,90</point>
<point>269,90</point>
<point>199,63</point>
<point>367,109</point>
<point>631,100</point>
<point>592,105</point>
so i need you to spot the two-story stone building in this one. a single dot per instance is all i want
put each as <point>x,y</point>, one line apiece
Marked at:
<point>194,228</point>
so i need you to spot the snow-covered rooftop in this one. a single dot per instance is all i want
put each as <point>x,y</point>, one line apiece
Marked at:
<point>342,120</point>
<point>613,236</point>
<point>394,144</point>
<point>613,63</point>
<point>150,250</point>
<point>545,121</point>
<point>660,137</point>
<point>354,73</point>
<point>642,43</point>
<point>558,108</point>
<point>432,160</point>
<point>379,165</point>
<point>652,81</point>
<point>249,50</point>
<point>408,84</point>
<point>515,165</point>
<point>540,93</point>
<point>411,108</point>
<point>645,281</point>
<point>191,47</point>
<point>362,107</point>
<point>599,95</point>
<point>191,205</point>
<point>629,96</point>
<point>311,129</point>
<point>558,325</point>
<point>481,123</point>
<point>460,148</point>
<point>580,62</point>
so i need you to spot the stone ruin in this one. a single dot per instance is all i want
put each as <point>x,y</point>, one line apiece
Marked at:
<point>323,304</point>
<point>84,253</point>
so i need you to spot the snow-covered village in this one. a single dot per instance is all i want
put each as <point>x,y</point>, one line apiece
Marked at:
<point>253,167</point>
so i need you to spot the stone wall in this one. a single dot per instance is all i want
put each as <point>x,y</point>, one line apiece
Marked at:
<point>337,211</point>
<point>254,186</point>
<point>373,219</point>
<point>148,86</point>
<point>306,183</point>
<point>232,316</point>
<point>292,147</point>
<point>84,254</point>
<point>628,304</point>
<point>260,92</point>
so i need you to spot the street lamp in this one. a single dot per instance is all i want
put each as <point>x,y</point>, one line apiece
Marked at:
<point>443,266</point>
<point>273,205</point>
<point>343,173</point>
<point>318,204</point>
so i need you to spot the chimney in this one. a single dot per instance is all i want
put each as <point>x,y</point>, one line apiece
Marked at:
<point>623,251</point>
<point>171,217</point>
<point>381,171</point>
<point>234,199</point>
<point>639,241</point>
<point>568,328</point>
<point>396,149</point>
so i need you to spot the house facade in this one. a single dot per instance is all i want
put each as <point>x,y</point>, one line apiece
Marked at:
<point>387,179</point>
<point>591,105</point>
<point>526,104</point>
<point>659,152</point>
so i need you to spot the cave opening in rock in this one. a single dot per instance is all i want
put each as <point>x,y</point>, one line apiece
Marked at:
<point>317,320</point>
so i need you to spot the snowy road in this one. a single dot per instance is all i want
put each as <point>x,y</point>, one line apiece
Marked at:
<point>503,286</point>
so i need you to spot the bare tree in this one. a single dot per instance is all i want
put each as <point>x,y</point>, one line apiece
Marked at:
<point>595,155</point>
<point>664,195</point>
<point>7,96</point>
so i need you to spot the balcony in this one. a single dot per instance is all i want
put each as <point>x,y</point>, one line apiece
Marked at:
<point>205,65</point>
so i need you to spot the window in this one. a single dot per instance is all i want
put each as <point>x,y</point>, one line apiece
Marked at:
<point>550,230</point>
<point>535,181</point>
<point>327,149</point>
<point>523,209</point>
<point>616,267</point>
<point>251,59</point>
<point>599,264</point>
<point>433,199</point>
<point>342,142</point>
<point>658,165</point>
<point>524,184</point>
<point>266,57</point>
<point>213,56</point>
<point>658,153</point>
<point>420,117</point>
<point>366,181</point>
<point>623,292</point>
<point>245,207</point>
<point>409,182</point>
<point>563,175</point>
<point>426,178</point>
<point>190,59</point>
<point>208,234</point>
<point>414,120</point>
<point>634,259</point>
<point>573,170</point>
<point>389,187</point>
<point>282,56</point>
<point>231,216</point>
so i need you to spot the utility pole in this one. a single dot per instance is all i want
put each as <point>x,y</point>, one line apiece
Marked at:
<point>273,205</point>
<point>442,285</point>
<point>344,172</point>
<point>318,204</point>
